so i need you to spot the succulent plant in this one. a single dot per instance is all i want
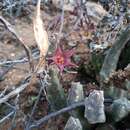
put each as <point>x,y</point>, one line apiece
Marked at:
<point>55,91</point>
<point>94,103</point>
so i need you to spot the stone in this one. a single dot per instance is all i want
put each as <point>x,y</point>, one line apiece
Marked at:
<point>75,93</point>
<point>73,124</point>
<point>94,107</point>
<point>120,108</point>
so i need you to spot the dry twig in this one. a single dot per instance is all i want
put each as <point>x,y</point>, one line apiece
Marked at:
<point>10,29</point>
<point>13,93</point>
<point>61,111</point>
<point>54,114</point>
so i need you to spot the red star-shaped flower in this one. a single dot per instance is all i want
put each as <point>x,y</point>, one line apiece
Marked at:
<point>63,58</point>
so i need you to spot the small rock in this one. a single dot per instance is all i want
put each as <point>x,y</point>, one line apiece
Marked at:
<point>73,124</point>
<point>120,108</point>
<point>94,107</point>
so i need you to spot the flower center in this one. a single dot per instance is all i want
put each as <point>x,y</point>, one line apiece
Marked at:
<point>60,60</point>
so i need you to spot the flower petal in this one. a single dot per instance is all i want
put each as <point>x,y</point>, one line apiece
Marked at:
<point>69,53</point>
<point>61,67</point>
<point>69,63</point>
<point>66,55</point>
<point>58,51</point>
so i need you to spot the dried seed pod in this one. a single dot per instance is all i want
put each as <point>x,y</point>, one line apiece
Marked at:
<point>41,38</point>
<point>40,33</point>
